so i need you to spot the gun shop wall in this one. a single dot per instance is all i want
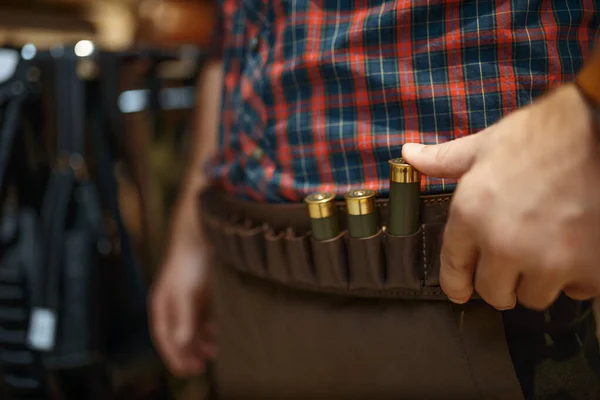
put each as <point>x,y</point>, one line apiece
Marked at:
<point>100,95</point>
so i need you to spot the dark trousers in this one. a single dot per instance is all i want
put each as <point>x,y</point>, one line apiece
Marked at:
<point>366,318</point>
<point>278,343</point>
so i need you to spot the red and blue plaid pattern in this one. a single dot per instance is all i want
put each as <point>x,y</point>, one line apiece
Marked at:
<point>320,94</point>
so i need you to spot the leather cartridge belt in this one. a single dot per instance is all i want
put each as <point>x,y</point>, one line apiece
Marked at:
<point>273,242</point>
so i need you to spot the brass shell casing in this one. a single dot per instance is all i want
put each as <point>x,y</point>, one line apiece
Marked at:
<point>321,205</point>
<point>323,215</point>
<point>360,202</point>
<point>363,216</point>
<point>401,172</point>
<point>405,198</point>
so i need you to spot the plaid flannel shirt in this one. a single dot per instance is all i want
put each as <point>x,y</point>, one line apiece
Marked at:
<point>320,94</point>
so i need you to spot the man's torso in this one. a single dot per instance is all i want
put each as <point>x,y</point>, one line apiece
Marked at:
<point>319,95</point>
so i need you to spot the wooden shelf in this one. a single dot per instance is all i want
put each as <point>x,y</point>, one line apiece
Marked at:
<point>48,22</point>
<point>46,16</point>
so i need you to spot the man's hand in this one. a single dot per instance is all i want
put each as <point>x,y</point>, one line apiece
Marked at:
<point>524,223</point>
<point>182,326</point>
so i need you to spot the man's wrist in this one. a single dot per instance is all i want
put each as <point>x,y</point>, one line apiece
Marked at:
<point>186,219</point>
<point>588,84</point>
<point>588,79</point>
<point>594,109</point>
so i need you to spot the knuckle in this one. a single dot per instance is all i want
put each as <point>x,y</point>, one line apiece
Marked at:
<point>501,303</point>
<point>453,290</point>
<point>467,208</point>
<point>458,210</point>
<point>559,263</point>
<point>502,243</point>
<point>457,296</point>
<point>506,306</point>
<point>447,260</point>
<point>464,209</point>
<point>579,294</point>
<point>442,153</point>
<point>495,297</point>
<point>451,268</point>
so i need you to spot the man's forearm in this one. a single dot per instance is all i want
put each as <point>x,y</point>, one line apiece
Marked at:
<point>203,145</point>
<point>206,122</point>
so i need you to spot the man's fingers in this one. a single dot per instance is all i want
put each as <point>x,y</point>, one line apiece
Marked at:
<point>186,335</point>
<point>185,324</point>
<point>447,160</point>
<point>174,331</point>
<point>580,293</point>
<point>496,281</point>
<point>162,333</point>
<point>538,291</point>
<point>458,258</point>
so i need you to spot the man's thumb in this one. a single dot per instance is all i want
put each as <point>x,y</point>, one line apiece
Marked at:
<point>447,160</point>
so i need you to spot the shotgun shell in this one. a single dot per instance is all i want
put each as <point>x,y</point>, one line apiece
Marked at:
<point>405,198</point>
<point>323,215</point>
<point>363,218</point>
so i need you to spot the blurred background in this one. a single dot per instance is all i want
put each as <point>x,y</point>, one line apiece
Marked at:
<point>96,108</point>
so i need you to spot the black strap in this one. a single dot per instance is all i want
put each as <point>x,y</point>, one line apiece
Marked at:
<point>70,92</point>
<point>72,109</point>
<point>8,133</point>
<point>109,185</point>
<point>71,142</point>
<point>55,218</point>
<point>70,96</point>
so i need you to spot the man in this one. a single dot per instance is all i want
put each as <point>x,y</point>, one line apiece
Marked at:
<point>318,96</point>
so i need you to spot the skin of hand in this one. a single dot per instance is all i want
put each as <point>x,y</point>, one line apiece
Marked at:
<point>179,305</point>
<point>524,222</point>
<point>182,323</point>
